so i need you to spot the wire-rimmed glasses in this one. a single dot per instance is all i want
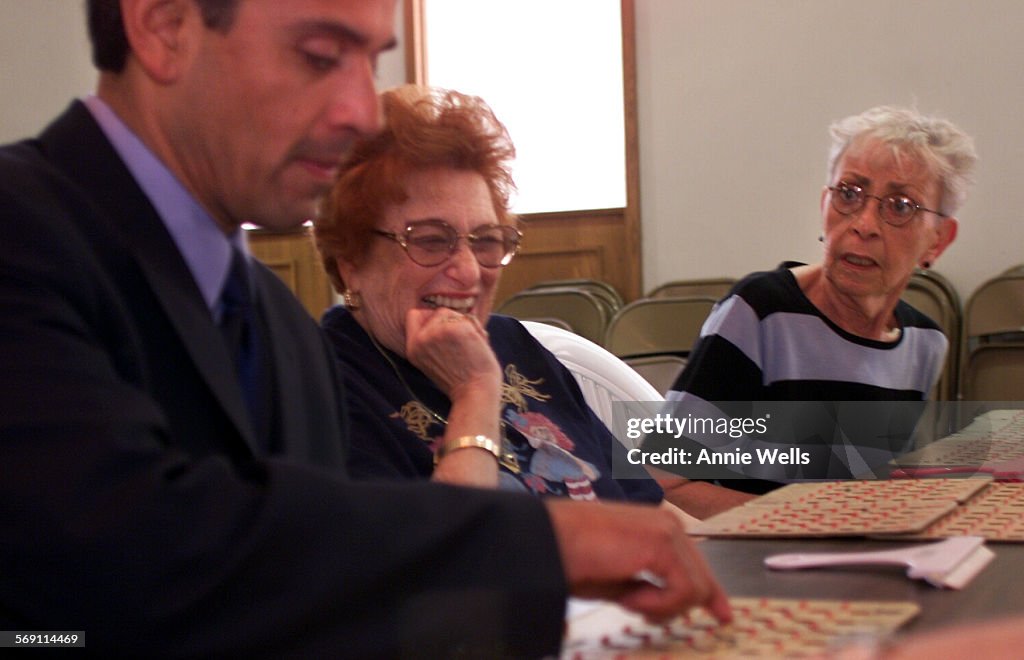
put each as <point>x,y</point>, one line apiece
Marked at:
<point>896,209</point>
<point>432,242</point>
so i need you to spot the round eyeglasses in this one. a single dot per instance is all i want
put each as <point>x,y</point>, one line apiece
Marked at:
<point>896,210</point>
<point>432,242</point>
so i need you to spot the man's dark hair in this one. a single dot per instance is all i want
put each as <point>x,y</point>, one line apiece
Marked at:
<point>106,28</point>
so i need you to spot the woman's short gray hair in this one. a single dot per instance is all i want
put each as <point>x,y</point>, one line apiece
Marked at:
<point>943,147</point>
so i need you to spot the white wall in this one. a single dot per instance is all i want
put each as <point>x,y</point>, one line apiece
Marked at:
<point>735,97</point>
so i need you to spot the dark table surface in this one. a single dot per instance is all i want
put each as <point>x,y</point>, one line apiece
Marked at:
<point>997,591</point>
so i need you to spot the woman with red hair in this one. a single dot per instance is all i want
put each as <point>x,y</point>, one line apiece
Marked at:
<point>415,234</point>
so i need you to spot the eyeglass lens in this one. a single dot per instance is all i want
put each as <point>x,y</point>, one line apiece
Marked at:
<point>432,243</point>
<point>893,209</point>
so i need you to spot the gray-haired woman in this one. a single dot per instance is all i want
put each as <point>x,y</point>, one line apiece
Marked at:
<point>837,330</point>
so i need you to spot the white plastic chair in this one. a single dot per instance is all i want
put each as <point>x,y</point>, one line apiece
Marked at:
<point>604,378</point>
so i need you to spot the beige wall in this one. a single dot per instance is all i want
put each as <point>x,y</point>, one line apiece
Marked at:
<point>736,96</point>
<point>734,100</point>
<point>44,62</point>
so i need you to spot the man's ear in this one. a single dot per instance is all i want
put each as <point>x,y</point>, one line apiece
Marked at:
<point>158,34</point>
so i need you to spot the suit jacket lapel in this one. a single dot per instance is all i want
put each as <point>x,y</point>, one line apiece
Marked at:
<point>190,317</point>
<point>282,360</point>
<point>76,143</point>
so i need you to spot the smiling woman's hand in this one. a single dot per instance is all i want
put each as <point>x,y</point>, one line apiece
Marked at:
<point>452,350</point>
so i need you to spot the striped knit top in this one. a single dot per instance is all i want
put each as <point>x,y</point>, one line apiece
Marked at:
<point>766,341</point>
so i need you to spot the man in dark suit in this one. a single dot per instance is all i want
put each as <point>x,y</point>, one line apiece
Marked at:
<point>173,492</point>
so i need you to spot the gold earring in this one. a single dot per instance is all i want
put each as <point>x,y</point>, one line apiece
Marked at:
<point>351,299</point>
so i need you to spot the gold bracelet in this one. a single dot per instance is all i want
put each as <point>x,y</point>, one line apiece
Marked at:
<point>468,441</point>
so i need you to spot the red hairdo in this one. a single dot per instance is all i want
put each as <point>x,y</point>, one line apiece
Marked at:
<point>424,128</point>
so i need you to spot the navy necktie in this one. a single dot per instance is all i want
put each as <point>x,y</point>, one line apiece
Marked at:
<point>241,335</point>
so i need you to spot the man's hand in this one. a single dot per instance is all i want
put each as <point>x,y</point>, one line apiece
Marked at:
<point>605,548</point>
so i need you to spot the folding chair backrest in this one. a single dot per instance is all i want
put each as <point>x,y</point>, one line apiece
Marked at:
<point>931,299</point>
<point>601,296</point>
<point>584,312</point>
<point>940,282</point>
<point>1014,270</point>
<point>602,290</point>
<point>996,307</point>
<point>923,300</point>
<point>661,371</point>
<point>994,372</point>
<point>993,320</point>
<point>657,325</point>
<point>712,287</point>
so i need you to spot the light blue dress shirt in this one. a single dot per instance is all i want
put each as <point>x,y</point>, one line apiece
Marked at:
<point>207,251</point>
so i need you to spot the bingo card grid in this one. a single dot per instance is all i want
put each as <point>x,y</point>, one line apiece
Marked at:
<point>762,627</point>
<point>844,508</point>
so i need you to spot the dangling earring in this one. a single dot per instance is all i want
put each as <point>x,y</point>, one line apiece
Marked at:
<point>351,299</point>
